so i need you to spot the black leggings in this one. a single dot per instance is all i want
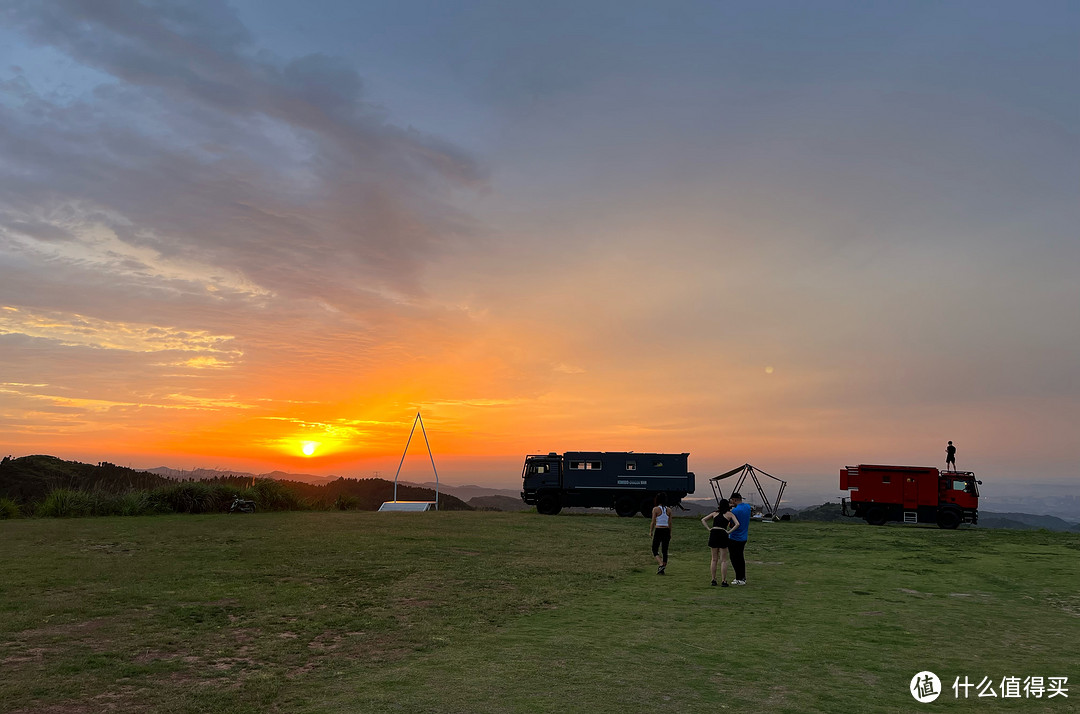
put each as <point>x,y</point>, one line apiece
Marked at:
<point>735,552</point>
<point>660,539</point>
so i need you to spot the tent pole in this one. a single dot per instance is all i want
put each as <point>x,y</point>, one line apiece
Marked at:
<point>403,455</point>
<point>430,456</point>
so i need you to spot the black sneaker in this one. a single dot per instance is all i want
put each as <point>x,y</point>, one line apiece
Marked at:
<point>723,584</point>
<point>714,583</point>
<point>660,570</point>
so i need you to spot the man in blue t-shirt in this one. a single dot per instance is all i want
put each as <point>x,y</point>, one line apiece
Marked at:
<point>737,538</point>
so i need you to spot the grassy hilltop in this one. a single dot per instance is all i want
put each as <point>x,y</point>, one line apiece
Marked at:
<point>492,612</point>
<point>48,486</point>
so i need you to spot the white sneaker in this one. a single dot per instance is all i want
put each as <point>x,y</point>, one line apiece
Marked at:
<point>739,582</point>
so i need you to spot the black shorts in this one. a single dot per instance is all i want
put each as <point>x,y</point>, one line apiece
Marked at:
<point>718,538</point>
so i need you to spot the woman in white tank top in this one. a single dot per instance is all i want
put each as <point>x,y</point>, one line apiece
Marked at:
<point>660,530</point>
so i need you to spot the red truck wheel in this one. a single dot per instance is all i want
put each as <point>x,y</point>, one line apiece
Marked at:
<point>948,519</point>
<point>876,516</point>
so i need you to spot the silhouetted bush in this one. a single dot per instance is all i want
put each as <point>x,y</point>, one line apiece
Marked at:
<point>270,495</point>
<point>66,503</point>
<point>134,503</point>
<point>9,509</point>
<point>345,502</point>
<point>185,497</point>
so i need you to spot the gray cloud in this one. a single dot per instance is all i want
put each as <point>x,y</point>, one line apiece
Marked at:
<point>203,148</point>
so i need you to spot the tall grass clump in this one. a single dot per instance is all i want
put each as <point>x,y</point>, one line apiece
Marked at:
<point>134,503</point>
<point>185,497</point>
<point>270,495</point>
<point>345,502</point>
<point>66,503</point>
<point>9,509</point>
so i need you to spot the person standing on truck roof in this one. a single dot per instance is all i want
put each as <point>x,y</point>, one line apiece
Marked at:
<point>660,530</point>
<point>723,522</point>
<point>738,537</point>
<point>950,457</point>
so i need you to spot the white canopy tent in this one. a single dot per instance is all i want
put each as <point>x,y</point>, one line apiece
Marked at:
<point>408,506</point>
<point>414,506</point>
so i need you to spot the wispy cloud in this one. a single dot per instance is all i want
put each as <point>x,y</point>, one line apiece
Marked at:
<point>70,329</point>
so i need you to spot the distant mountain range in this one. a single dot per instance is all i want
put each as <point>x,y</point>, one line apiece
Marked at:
<point>203,474</point>
<point>1050,499</point>
<point>466,493</point>
<point>1025,521</point>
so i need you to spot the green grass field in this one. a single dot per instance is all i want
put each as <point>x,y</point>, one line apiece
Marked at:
<point>493,612</point>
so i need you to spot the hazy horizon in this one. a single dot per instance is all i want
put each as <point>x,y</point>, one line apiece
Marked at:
<point>802,488</point>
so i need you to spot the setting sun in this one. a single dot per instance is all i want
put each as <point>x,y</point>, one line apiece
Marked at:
<point>308,447</point>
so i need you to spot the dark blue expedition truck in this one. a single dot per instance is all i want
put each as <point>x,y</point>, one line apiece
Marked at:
<point>623,480</point>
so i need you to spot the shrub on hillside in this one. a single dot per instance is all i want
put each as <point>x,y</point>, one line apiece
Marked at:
<point>134,503</point>
<point>270,495</point>
<point>66,503</point>
<point>9,509</point>
<point>829,512</point>
<point>186,497</point>
<point>345,502</point>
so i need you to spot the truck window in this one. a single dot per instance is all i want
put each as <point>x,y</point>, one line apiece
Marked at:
<point>886,478</point>
<point>592,465</point>
<point>658,464</point>
<point>958,485</point>
<point>631,466</point>
<point>577,465</point>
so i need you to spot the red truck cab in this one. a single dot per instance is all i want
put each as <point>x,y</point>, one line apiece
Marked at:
<point>910,494</point>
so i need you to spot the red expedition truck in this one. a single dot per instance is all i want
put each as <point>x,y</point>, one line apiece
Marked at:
<point>910,494</point>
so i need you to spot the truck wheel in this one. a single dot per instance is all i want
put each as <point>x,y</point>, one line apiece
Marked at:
<point>548,505</point>
<point>646,507</point>
<point>948,519</point>
<point>626,507</point>
<point>876,516</point>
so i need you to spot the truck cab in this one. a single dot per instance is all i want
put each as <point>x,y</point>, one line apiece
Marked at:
<point>541,472</point>
<point>959,488</point>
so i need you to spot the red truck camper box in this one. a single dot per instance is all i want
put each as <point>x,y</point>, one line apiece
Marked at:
<point>910,494</point>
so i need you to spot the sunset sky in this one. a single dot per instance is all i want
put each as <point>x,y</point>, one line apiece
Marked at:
<point>800,235</point>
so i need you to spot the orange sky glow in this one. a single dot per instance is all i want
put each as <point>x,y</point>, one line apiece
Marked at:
<point>727,232</point>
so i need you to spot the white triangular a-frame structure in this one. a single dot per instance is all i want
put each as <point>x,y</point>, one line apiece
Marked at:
<point>414,506</point>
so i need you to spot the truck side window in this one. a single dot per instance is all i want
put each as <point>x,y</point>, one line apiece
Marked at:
<point>658,464</point>
<point>886,479</point>
<point>960,485</point>
<point>593,465</point>
<point>631,466</point>
<point>579,465</point>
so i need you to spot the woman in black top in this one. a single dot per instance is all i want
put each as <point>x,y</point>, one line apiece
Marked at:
<point>723,522</point>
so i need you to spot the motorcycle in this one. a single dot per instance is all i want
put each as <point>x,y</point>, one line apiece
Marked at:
<point>241,505</point>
